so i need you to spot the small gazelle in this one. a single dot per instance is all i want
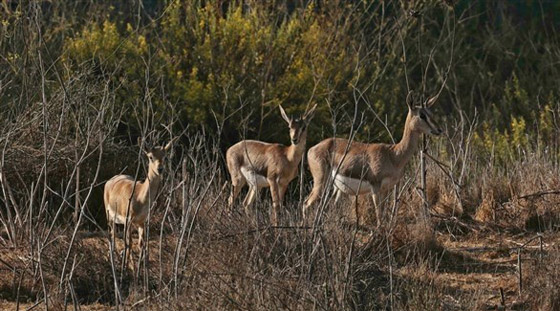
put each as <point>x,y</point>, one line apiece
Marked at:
<point>360,168</point>
<point>120,201</point>
<point>262,165</point>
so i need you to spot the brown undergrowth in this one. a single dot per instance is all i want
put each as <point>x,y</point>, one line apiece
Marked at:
<point>201,255</point>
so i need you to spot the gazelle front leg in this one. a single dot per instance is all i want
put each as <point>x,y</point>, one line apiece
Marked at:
<point>282,188</point>
<point>140,238</point>
<point>276,199</point>
<point>282,193</point>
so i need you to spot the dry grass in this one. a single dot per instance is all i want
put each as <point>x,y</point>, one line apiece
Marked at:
<point>228,262</point>
<point>541,289</point>
<point>203,257</point>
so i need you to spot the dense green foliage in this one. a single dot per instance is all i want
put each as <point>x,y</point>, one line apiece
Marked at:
<point>231,63</point>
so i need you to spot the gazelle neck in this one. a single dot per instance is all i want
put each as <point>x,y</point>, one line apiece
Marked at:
<point>407,147</point>
<point>149,187</point>
<point>295,151</point>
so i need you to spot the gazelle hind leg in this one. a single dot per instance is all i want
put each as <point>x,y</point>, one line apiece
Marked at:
<point>237,178</point>
<point>127,244</point>
<point>338,195</point>
<point>236,186</point>
<point>315,194</point>
<point>379,207</point>
<point>318,169</point>
<point>110,223</point>
<point>140,244</point>
<point>249,199</point>
<point>355,210</point>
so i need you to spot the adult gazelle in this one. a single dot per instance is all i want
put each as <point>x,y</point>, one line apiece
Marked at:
<point>128,201</point>
<point>262,165</point>
<point>359,168</point>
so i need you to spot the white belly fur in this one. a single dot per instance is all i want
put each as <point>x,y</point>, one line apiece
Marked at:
<point>254,179</point>
<point>351,186</point>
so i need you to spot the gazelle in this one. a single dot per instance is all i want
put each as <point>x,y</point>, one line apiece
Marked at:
<point>359,168</point>
<point>262,165</point>
<point>120,200</point>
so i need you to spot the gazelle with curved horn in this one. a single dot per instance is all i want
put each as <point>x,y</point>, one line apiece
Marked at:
<point>123,196</point>
<point>360,168</point>
<point>262,165</point>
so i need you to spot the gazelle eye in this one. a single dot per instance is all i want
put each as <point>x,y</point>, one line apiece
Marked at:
<point>422,116</point>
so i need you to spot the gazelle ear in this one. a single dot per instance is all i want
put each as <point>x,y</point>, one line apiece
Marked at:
<point>169,144</point>
<point>143,148</point>
<point>310,114</point>
<point>284,115</point>
<point>431,101</point>
<point>410,100</point>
